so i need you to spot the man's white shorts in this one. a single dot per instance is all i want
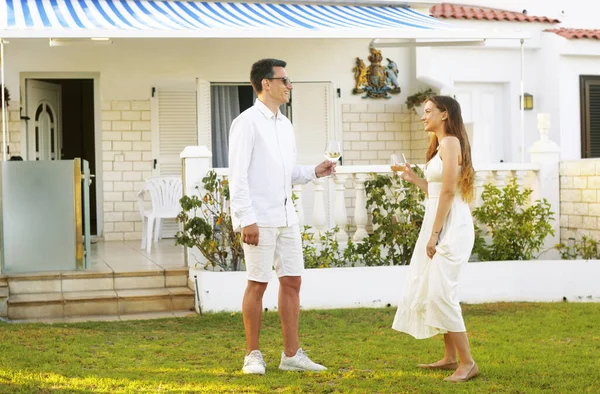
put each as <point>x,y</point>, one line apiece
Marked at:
<point>278,247</point>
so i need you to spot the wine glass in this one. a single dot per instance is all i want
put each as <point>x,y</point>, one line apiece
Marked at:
<point>397,164</point>
<point>333,151</point>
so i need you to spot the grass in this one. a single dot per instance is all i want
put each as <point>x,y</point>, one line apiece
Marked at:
<point>520,348</point>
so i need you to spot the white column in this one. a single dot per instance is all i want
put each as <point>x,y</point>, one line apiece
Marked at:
<point>196,162</point>
<point>318,218</point>
<point>360,207</point>
<point>547,154</point>
<point>297,190</point>
<point>340,216</point>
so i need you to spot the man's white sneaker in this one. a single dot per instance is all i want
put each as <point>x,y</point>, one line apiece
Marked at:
<point>299,362</point>
<point>254,363</point>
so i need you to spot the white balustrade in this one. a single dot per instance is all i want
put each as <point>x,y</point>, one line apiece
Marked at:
<point>502,178</point>
<point>319,220</point>
<point>480,179</point>
<point>520,176</point>
<point>340,216</point>
<point>360,207</point>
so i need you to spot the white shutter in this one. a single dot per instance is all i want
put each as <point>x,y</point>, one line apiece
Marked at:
<point>176,126</point>
<point>312,120</point>
<point>177,123</point>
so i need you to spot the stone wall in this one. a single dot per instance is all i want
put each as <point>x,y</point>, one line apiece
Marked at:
<point>127,163</point>
<point>373,131</point>
<point>14,129</point>
<point>580,199</point>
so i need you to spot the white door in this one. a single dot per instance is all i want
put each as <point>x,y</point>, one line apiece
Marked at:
<point>44,125</point>
<point>312,118</point>
<point>484,113</point>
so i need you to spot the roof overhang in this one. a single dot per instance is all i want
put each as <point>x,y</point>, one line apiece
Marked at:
<point>79,19</point>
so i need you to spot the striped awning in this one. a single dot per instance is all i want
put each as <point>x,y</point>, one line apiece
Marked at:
<point>151,18</point>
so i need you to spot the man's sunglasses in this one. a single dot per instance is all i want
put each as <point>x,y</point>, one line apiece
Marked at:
<point>286,80</point>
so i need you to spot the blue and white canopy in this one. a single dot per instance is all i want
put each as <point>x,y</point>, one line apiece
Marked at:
<point>162,18</point>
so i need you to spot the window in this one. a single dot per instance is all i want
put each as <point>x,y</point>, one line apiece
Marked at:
<point>590,115</point>
<point>227,102</point>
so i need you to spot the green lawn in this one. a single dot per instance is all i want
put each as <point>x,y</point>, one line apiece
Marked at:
<point>520,348</point>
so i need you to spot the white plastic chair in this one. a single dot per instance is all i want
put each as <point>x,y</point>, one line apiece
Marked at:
<point>165,192</point>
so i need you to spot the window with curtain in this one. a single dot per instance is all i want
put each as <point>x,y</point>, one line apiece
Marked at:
<point>227,102</point>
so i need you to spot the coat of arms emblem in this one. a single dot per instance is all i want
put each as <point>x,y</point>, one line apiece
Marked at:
<point>376,81</point>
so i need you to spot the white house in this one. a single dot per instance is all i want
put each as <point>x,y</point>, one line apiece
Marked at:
<point>133,83</point>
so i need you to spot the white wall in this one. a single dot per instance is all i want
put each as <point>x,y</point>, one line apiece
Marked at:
<point>552,68</point>
<point>571,67</point>
<point>537,281</point>
<point>129,67</point>
<point>490,65</point>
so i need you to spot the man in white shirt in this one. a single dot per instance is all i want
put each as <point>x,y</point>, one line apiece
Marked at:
<point>262,169</point>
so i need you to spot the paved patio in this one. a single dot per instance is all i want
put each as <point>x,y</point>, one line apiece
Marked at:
<point>115,256</point>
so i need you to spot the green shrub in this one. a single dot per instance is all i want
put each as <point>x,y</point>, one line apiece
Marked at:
<point>586,249</point>
<point>397,211</point>
<point>326,253</point>
<point>507,226</point>
<point>207,225</point>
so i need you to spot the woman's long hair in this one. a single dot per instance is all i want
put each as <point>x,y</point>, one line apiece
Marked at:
<point>456,128</point>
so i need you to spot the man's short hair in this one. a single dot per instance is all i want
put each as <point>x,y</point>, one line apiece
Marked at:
<point>263,69</point>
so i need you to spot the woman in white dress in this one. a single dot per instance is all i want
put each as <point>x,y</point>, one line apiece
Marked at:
<point>429,303</point>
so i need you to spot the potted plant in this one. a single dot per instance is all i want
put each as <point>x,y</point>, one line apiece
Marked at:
<point>416,101</point>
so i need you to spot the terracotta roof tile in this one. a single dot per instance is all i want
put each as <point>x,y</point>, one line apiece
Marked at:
<point>593,34</point>
<point>460,12</point>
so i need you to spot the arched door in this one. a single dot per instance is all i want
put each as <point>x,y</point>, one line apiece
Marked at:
<point>44,125</point>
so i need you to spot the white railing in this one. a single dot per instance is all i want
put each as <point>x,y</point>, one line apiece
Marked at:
<point>348,204</point>
<point>341,200</point>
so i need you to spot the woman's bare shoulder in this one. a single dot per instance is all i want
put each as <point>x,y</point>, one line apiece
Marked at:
<point>450,141</point>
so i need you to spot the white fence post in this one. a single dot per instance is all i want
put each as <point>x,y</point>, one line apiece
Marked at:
<point>547,154</point>
<point>319,220</point>
<point>196,162</point>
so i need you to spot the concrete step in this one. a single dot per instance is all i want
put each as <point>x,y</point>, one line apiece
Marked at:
<point>122,302</point>
<point>3,295</point>
<point>133,316</point>
<point>128,279</point>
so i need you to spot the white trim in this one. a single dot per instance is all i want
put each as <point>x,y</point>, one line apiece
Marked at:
<point>427,43</point>
<point>99,179</point>
<point>269,33</point>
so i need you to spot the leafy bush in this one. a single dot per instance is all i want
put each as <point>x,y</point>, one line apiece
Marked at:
<point>397,211</point>
<point>418,98</point>
<point>207,225</point>
<point>508,227</point>
<point>326,253</point>
<point>586,249</point>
